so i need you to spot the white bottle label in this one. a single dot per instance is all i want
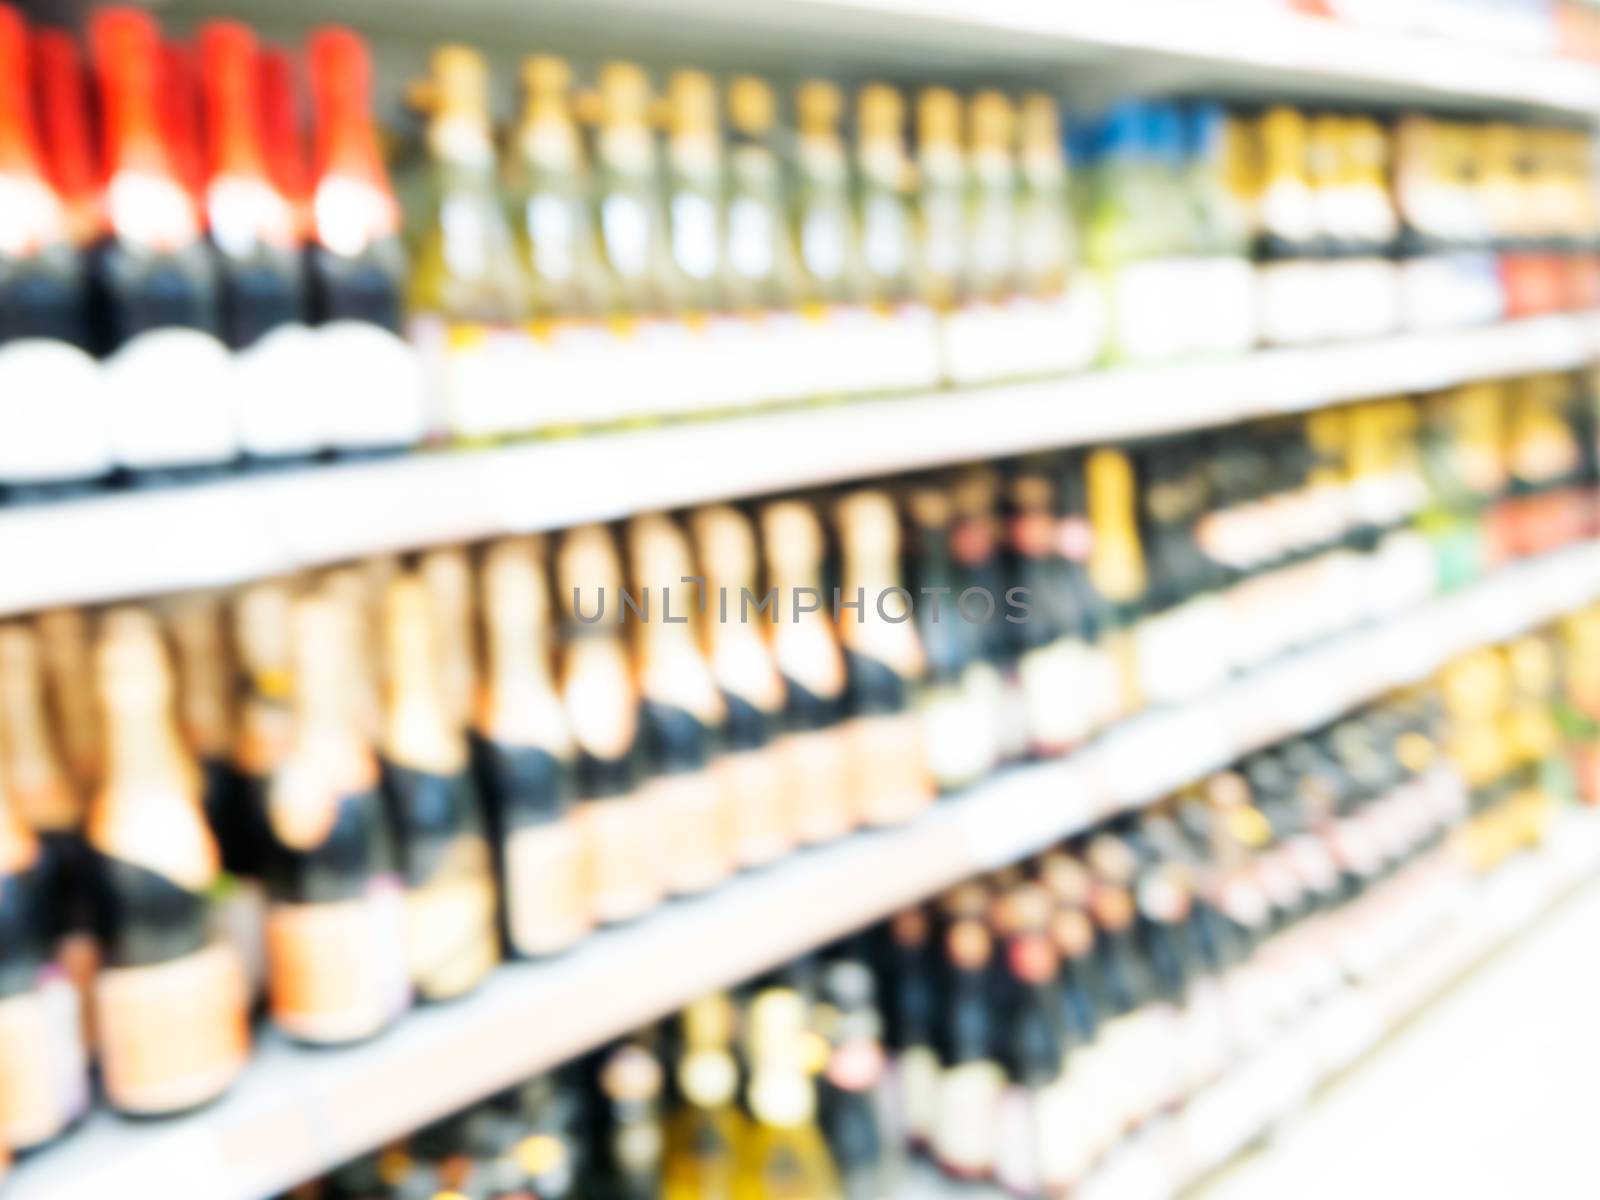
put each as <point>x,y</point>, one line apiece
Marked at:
<point>1056,687</point>
<point>52,414</point>
<point>373,396</point>
<point>277,413</point>
<point>167,393</point>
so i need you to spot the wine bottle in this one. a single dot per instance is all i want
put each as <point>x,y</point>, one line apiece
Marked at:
<point>984,600</point>
<point>629,1080</point>
<point>171,1005</point>
<point>853,1083</point>
<point>910,1003</point>
<point>439,828</point>
<point>167,370</point>
<point>970,1077</point>
<point>1046,239</point>
<point>704,1134</point>
<point>684,715</point>
<point>336,928</point>
<point>884,662</point>
<point>762,265</point>
<point>254,235</point>
<point>695,185</point>
<point>525,754</point>
<point>602,704</point>
<point>815,746</point>
<point>370,381</point>
<point>51,428</point>
<point>762,796</point>
<point>783,1155</point>
<point>958,701</point>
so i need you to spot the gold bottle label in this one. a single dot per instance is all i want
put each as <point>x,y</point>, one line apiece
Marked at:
<point>819,763</point>
<point>450,923</point>
<point>624,849</point>
<point>692,813</point>
<point>547,887</point>
<point>761,804</point>
<point>890,767</point>
<point>337,970</point>
<point>44,1081</point>
<point>174,1035</point>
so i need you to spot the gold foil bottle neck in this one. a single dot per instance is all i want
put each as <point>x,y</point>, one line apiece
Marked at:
<point>447,573</point>
<point>147,811</point>
<point>938,117</point>
<point>991,122</point>
<point>792,537</point>
<point>625,96</point>
<point>1040,123</point>
<point>692,103</point>
<point>261,633</point>
<point>588,570</point>
<point>869,527</point>
<point>64,640</point>
<point>34,778</point>
<point>818,107</point>
<point>205,675</point>
<point>418,730</point>
<point>752,106</point>
<point>458,84</point>
<point>880,114</point>
<point>930,507</point>
<point>726,545</point>
<point>547,77</point>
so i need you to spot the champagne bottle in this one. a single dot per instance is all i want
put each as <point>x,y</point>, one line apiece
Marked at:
<point>262,639</point>
<point>941,172</point>
<point>549,180</point>
<point>684,714</point>
<point>910,1005</point>
<point>985,602</point>
<point>816,746</point>
<point>761,793</point>
<point>633,236</point>
<point>695,186</point>
<point>763,272</point>
<point>256,240</point>
<point>783,1155</point>
<point>885,664</point>
<point>336,929</point>
<point>826,234</point>
<point>43,1073</point>
<point>444,853</point>
<point>447,573</point>
<point>49,424</point>
<point>602,704</point>
<point>885,178</point>
<point>170,1004</point>
<point>525,757</point>
<point>61,89</point>
<point>994,186</point>
<point>704,1134</point>
<point>167,371</point>
<point>1046,241</point>
<point>371,385</point>
<point>1290,272</point>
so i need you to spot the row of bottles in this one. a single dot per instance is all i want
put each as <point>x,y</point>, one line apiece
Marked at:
<point>196,286</point>
<point>184,281</point>
<point>1141,998</point>
<point>1288,227</point>
<point>363,788</point>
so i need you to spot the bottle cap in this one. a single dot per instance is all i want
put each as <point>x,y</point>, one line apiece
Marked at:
<point>692,102</point>
<point>880,113</point>
<point>1040,121</point>
<point>818,104</point>
<point>992,121</point>
<point>938,116</point>
<point>752,107</point>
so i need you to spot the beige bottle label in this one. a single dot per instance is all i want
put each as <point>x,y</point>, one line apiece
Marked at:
<point>43,1072</point>
<point>891,768</point>
<point>819,763</point>
<point>450,924</point>
<point>1057,691</point>
<point>695,821</point>
<point>547,887</point>
<point>624,849</point>
<point>174,1035</point>
<point>337,971</point>
<point>969,1099</point>
<point>917,1074</point>
<point>761,805</point>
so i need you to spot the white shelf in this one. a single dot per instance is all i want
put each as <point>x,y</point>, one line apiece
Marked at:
<point>298,1112</point>
<point>142,543</point>
<point>1231,45</point>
